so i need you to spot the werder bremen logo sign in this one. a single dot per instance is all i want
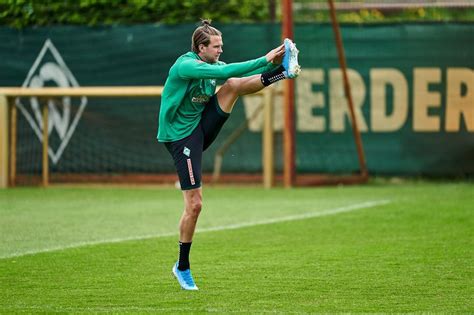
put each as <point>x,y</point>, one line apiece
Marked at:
<point>49,69</point>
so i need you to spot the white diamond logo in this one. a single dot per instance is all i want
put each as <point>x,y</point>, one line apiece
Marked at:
<point>49,69</point>
<point>186,151</point>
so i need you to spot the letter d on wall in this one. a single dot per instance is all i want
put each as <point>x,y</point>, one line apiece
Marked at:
<point>380,119</point>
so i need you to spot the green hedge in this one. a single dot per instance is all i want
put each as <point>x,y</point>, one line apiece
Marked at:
<point>21,13</point>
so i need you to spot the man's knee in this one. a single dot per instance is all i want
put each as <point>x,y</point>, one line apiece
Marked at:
<point>194,205</point>
<point>233,85</point>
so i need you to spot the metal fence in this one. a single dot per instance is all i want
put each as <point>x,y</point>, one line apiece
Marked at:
<point>350,5</point>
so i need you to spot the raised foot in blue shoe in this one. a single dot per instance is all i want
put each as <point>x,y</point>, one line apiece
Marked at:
<point>290,60</point>
<point>185,278</point>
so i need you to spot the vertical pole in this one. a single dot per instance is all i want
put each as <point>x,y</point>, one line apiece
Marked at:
<point>268,142</point>
<point>13,144</point>
<point>347,88</point>
<point>272,10</point>
<point>45,146</point>
<point>4,126</point>
<point>289,105</point>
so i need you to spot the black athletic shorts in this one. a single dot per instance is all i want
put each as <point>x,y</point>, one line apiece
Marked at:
<point>187,152</point>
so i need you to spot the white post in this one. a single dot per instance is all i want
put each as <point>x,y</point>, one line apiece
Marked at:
<point>45,146</point>
<point>268,142</point>
<point>3,141</point>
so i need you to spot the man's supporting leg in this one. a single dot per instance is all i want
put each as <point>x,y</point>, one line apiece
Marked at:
<point>187,224</point>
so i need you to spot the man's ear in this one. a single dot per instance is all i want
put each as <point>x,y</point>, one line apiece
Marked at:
<point>201,47</point>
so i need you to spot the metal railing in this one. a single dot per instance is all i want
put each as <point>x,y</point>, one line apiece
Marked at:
<point>8,126</point>
<point>383,5</point>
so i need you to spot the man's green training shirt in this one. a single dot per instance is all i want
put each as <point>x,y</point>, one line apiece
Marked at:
<point>190,84</point>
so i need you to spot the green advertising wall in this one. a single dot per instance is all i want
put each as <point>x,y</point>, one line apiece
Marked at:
<point>413,88</point>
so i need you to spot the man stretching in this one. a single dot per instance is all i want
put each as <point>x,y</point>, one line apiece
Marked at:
<point>192,114</point>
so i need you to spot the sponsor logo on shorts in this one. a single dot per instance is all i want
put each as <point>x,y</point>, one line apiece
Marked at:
<point>186,151</point>
<point>190,170</point>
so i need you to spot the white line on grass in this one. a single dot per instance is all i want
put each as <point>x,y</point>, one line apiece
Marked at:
<point>358,206</point>
<point>120,309</point>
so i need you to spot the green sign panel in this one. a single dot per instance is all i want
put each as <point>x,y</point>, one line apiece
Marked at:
<point>412,86</point>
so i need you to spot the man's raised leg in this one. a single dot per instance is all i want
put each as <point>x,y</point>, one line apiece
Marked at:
<point>235,87</point>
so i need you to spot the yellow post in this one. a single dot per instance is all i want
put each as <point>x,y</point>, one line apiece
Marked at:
<point>3,141</point>
<point>13,128</point>
<point>268,143</point>
<point>45,146</point>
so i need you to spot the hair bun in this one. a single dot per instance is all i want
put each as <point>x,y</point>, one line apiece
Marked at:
<point>205,22</point>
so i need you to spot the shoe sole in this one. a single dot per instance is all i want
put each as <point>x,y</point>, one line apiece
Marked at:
<point>294,68</point>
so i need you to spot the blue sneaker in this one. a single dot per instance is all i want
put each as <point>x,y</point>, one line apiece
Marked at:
<point>185,278</point>
<point>290,60</point>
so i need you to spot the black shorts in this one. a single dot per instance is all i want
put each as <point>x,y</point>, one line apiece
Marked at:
<point>187,152</point>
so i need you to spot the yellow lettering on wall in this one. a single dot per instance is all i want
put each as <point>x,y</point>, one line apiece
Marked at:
<point>339,109</point>
<point>307,100</point>
<point>423,99</point>
<point>254,114</point>
<point>379,119</point>
<point>459,106</point>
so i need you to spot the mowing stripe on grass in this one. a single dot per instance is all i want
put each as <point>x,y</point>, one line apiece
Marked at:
<point>119,309</point>
<point>308,215</point>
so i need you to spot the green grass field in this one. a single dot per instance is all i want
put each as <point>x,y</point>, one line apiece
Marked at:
<point>374,248</point>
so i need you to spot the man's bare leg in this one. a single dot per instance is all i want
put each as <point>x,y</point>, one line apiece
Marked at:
<point>288,69</point>
<point>235,87</point>
<point>187,226</point>
<point>192,208</point>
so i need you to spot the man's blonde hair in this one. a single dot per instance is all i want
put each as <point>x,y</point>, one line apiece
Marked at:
<point>202,35</point>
